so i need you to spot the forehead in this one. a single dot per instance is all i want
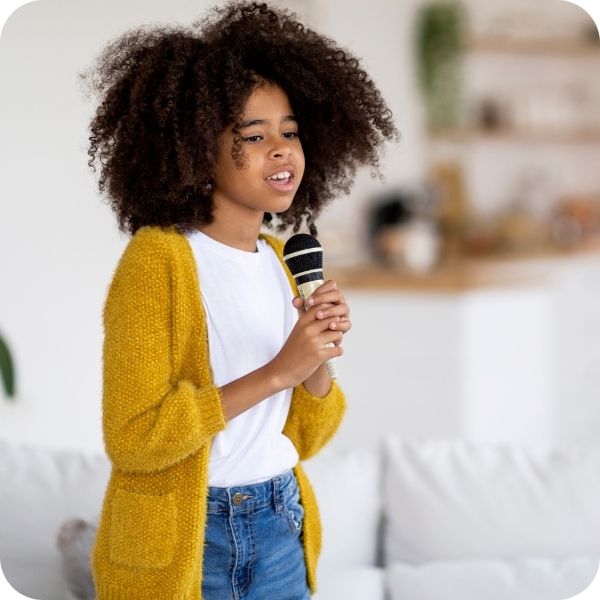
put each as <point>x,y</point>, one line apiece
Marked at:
<point>264,99</point>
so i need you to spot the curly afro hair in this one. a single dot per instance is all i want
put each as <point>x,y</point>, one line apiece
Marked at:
<point>168,92</point>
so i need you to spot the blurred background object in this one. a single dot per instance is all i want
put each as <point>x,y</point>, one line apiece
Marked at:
<point>7,370</point>
<point>440,31</point>
<point>512,109</point>
<point>403,233</point>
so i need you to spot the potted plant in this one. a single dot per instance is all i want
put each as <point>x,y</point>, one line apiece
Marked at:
<point>440,38</point>
<point>7,372</point>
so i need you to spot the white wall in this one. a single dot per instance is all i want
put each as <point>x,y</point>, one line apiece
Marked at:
<point>59,243</point>
<point>401,367</point>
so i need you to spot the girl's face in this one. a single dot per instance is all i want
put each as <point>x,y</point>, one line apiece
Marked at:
<point>270,144</point>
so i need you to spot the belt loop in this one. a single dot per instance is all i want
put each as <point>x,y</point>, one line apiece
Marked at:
<point>277,494</point>
<point>229,506</point>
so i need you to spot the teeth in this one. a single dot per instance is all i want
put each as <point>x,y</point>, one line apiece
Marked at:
<point>282,175</point>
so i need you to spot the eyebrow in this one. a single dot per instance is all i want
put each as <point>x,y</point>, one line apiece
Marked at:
<point>245,124</point>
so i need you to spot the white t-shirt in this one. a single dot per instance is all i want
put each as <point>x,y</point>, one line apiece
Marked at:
<point>248,303</point>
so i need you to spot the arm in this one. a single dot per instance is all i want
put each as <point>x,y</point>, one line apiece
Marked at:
<point>319,382</point>
<point>312,420</point>
<point>243,393</point>
<point>318,404</point>
<point>150,422</point>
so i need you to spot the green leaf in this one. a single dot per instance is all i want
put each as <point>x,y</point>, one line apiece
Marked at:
<point>6,369</point>
<point>440,42</point>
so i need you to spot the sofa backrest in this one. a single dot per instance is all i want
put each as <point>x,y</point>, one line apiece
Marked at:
<point>40,489</point>
<point>347,485</point>
<point>453,499</point>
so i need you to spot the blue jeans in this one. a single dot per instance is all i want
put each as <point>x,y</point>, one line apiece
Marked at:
<point>252,544</point>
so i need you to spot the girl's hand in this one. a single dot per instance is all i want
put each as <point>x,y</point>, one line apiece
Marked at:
<point>329,301</point>
<point>305,349</point>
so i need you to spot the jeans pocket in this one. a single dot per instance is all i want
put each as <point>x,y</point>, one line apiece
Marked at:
<point>293,509</point>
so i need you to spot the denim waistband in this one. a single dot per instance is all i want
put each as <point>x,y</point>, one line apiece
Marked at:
<point>244,498</point>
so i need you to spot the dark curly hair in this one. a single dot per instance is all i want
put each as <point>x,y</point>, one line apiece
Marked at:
<point>168,92</point>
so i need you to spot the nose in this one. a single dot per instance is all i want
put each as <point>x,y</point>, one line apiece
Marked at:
<point>280,150</point>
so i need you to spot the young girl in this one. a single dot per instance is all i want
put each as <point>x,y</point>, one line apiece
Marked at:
<point>214,382</point>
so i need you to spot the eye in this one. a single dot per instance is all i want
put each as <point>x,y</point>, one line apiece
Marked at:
<point>252,138</point>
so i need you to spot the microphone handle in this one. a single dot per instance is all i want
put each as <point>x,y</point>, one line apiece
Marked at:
<point>306,289</point>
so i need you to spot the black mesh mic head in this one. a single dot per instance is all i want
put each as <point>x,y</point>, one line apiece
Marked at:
<point>303,254</point>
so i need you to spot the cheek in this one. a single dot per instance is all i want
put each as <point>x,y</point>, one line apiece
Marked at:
<point>300,161</point>
<point>234,178</point>
<point>301,166</point>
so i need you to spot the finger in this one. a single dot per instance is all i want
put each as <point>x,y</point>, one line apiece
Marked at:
<point>334,296</point>
<point>340,310</point>
<point>330,284</point>
<point>299,305</point>
<point>320,325</point>
<point>333,351</point>
<point>313,310</point>
<point>342,326</point>
<point>332,336</point>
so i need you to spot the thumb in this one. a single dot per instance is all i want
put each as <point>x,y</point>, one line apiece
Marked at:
<point>298,303</point>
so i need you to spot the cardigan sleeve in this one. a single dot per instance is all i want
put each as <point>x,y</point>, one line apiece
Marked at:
<point>312,420</point>
<point>150,421</point>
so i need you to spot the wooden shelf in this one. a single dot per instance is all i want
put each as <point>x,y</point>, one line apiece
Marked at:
<point>511,45</point>
<point>584,136</point>
<point>469,273</point>
<point>445,279</point>
<point>541,47</point>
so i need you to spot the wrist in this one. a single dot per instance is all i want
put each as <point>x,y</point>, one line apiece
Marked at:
<point>319,383</point>
<point>275,378</point>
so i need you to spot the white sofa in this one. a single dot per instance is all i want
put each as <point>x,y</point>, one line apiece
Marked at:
<point>414,519</point>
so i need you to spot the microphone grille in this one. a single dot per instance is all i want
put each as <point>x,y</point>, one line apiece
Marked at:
<point>310,257</point>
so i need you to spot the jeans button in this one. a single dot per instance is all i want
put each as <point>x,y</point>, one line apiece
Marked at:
<point>237,498</point>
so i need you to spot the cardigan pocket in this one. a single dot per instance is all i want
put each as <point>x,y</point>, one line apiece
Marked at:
<point>143,529</point>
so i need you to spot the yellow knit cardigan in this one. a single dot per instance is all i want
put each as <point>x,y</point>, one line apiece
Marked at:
<point>160,411</point>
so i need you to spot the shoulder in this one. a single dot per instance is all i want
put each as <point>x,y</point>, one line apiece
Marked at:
<point>154,238</point>
<point>147,266</point>
<point>275,242</point>
<point>154,244</point>
<point>150,256</point>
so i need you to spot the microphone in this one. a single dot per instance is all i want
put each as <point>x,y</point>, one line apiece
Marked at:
<point>303,255</point>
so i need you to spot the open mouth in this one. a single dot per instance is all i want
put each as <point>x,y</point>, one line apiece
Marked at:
<point>284,184</point>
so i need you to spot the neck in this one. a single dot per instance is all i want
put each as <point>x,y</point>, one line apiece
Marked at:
<point>234,234</point>
<point>234,225</point>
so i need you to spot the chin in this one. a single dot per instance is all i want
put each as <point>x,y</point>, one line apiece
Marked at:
<point>280,207</point>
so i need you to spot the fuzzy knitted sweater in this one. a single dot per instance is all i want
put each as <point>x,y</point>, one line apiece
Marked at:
<point>160,412</point>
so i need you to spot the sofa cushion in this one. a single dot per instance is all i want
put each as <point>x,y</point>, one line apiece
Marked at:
<point>451,499</point>
<point>492,579</point>
<point>41,488</point>
<point>347,486</point>
<point>33,578</point>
